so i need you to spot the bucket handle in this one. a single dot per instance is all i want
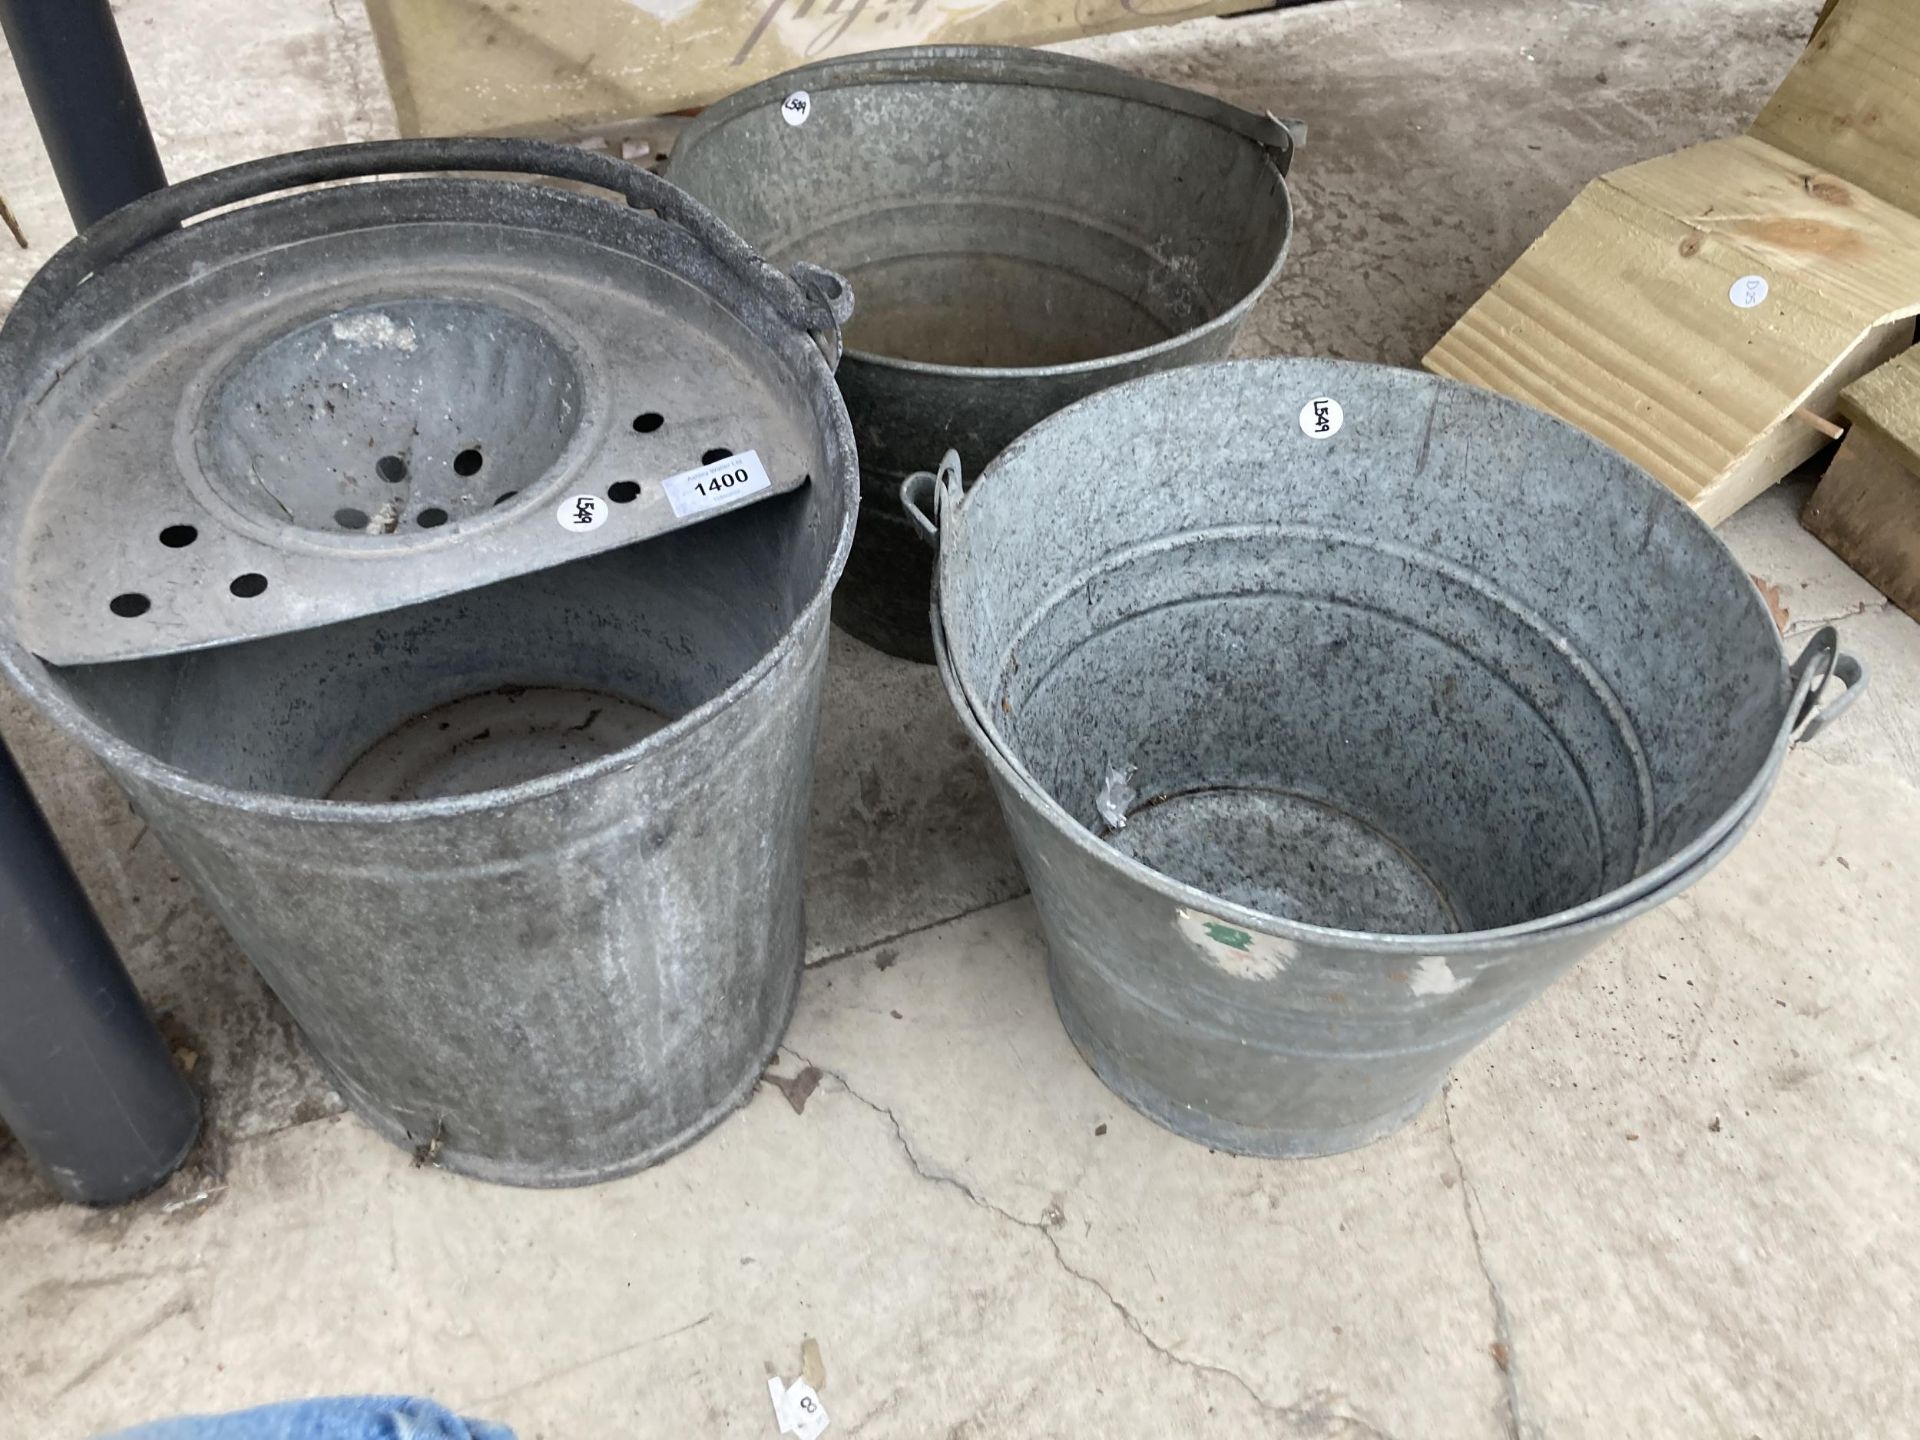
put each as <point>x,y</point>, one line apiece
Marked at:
<point>928,498</point>
<point>802,298</point>
<point>1821,663</point>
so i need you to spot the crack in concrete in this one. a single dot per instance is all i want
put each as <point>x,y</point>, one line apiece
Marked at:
<point>835,956</point>
<point>356,82</point>
<point>1798,626</point>
<point>1504,1358</point>
<point>1318,1416</point>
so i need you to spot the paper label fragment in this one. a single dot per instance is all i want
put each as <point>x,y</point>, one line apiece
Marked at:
<point>712,486</point>
<point>797,1408</point>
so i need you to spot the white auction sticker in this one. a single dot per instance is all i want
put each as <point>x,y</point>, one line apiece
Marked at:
<point>582,512</point>
<point>797,1408</point>
<point>720,483</point>
<point>1321,418</point>
<point>1748,291</point>
<point>796,108</point>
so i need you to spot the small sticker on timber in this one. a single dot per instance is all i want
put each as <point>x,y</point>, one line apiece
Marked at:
<point>1748,291</point>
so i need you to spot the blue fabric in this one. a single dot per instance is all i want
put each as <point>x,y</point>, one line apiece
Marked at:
<point>347,1417</point>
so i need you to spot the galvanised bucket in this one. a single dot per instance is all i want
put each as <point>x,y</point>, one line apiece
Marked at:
<point>523,861</point>
<point>1022,228</point>
<point>1336,710</point>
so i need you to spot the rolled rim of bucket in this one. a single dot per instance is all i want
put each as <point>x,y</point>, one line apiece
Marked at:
<point>160,212</point>
<point>1803,681</point>
<point>1682,873</point>
<point>1511,940</point>
<point>1014,65</point>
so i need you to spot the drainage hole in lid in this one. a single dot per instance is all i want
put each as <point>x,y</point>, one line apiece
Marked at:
<point>175,536</point>
<point>648,421</point>
<point>348,518</point>
<point>391,468</point>
<point>129,605</point>
<point>504,496</point>
<point>431,516</point>
<point>623,492</point>
<point>248,585</point>
<point>467,462</point>
<point>719,452</point>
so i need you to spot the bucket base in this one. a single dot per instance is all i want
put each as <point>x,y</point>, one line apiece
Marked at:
<point>498,738</point>
<point>1191,1123</point>
<point>449,1155</point>
<point>1286,854</point>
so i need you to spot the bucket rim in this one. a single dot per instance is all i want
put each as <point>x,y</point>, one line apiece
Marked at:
<point>33,678</point>
<point>1015,65</point>
<point>1602,914</point>
<point>1669,877</point>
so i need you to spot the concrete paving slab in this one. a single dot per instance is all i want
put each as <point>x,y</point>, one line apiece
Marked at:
<point>942,1217</point>
<point>1692,1161</point>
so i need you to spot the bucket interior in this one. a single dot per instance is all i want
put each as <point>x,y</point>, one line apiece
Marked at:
<point>1458,670</point>
<point>991,223</point>
<point>486,688</point>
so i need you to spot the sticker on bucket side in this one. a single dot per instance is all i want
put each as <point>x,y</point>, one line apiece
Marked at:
<point>1321,418</point>
<point>1748,291</point>
<point>721,483</point>
<point>796,108</point>
<point>582,512</point>
<point>1235,949</point>
<point>1436,977</point>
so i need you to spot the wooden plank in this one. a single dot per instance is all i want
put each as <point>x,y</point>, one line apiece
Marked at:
<point>1867,511</point>
<point>1845,242</point>
<point>1851,104</point>
<point>1619,319</point>
<point>559,67</point>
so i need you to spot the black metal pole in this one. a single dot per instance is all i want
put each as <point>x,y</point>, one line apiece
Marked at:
<point>86,1083</point>
<point>75,73</point>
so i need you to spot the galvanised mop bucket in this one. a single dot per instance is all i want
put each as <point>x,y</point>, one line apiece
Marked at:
<point>1022,228</point>
<point>523,859</point>
<point>1336,710</point>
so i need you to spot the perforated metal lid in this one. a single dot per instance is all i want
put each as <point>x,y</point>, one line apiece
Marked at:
<point>326,404</point>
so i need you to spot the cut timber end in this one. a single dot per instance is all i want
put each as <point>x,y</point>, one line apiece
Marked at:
<point>1867,511</point>
<point>1867,508</point>
<point>1889,398</point>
